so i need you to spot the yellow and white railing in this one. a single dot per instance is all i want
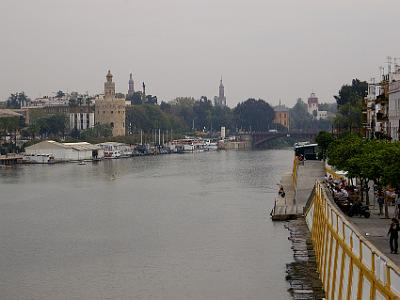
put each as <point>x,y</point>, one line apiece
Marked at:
<point>294,172</point>
<point>350,267</point>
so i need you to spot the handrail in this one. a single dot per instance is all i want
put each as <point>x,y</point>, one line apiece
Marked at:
<point>328,226</point>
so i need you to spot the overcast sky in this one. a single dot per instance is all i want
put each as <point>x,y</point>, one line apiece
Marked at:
<point>273,50</point>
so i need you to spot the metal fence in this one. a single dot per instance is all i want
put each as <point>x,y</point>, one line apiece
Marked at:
<point>350,267</point>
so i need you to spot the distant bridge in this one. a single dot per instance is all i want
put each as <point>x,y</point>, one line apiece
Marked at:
<point>260,138</point>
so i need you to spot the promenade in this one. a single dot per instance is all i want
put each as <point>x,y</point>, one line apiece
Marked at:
<point>375,230</point>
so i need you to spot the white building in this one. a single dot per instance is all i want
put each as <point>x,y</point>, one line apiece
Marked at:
<point>65,151</point>
<point>322,115</point>
<point>394,104</point>
<point>81,120</point>
<point>312,106</point>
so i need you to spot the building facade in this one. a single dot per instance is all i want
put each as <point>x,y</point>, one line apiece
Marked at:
<point>65,151</point>
<point>281,115</point>
<point>313,105</point>
<point>81,120</point>
<point>221,99</point>
<point>313,108</point>
<point>394,104</point>
<point>111,110</point>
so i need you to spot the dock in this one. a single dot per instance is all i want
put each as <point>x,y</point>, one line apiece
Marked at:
<point>298,186</point>
<point>10,159</point>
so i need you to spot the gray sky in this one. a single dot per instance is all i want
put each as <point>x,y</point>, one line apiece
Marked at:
<point>264,49</point>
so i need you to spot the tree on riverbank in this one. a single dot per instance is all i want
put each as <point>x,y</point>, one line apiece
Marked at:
<point>324,139</point>
<point>253,115</point>
<point>349,103</point>
<point>367,160</point>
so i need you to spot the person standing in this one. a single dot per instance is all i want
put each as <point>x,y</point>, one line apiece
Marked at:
<point>394,235</point>
<point>381,201</point>
<point>397,203</point>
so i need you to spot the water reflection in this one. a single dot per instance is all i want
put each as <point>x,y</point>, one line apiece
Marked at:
<point>164,227</point>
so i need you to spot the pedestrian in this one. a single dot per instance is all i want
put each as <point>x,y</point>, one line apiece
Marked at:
<point>397,203</point>
<point>394,235</point>
<point>281,192</point>
<point>381,201</point>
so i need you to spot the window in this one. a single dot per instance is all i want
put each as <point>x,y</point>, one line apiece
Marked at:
<point>112,112</point>
<point>112,124</point>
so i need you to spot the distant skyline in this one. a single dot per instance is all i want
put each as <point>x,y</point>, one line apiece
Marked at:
<point>263,49</point>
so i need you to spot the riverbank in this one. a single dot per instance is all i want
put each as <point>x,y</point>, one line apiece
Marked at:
<point>351,253</point>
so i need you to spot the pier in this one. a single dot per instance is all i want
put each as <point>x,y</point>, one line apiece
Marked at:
<point>298,186</point>
<point>10,159</point>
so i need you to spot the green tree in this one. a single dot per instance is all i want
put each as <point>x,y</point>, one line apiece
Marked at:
<point>51,125</point>
<point>254,115</point>
<point>60,94</point>
<point>324,139</point>
<point>349,102</point>
<point>352,93</point>
<point>17,100</point>
<point>98,131</point>
<point>136,98</point>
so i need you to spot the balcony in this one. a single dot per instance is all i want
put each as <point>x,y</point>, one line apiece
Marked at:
<point>382,116</point>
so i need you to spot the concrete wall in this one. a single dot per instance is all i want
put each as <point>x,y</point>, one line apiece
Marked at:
<point>350,267</point>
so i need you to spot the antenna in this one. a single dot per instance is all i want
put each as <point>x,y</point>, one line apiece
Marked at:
<point>381,71</point>
<point>389,62</point>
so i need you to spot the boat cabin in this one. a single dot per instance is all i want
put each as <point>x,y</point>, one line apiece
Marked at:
<point>307,150</point>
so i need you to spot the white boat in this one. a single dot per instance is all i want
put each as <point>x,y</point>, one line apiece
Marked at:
<point>116,150</point>
<point>210,146</point>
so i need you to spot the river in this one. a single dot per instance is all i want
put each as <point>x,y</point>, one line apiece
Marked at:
<point>190,226</point>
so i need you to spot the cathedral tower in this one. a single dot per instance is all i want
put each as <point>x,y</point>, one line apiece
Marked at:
<point>131,89</point>
<point>221,99</point>
<point>221,90</point>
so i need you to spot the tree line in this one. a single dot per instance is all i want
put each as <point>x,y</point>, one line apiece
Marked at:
<point>368,160</point>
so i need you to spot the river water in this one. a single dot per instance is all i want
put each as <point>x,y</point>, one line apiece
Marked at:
<point>191,226</point>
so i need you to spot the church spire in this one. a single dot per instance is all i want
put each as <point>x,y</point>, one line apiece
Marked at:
<point>221,99</point>
<point>131,89</point>
<point>221,90</point>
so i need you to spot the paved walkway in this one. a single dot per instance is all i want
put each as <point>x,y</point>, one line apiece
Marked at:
<point>375,230</point>
<point>307,174</point>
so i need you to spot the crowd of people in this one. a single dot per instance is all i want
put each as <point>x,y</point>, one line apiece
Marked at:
<point>347,197</point>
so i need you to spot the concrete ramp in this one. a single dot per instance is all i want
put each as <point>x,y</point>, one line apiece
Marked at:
<point>291,206</point>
